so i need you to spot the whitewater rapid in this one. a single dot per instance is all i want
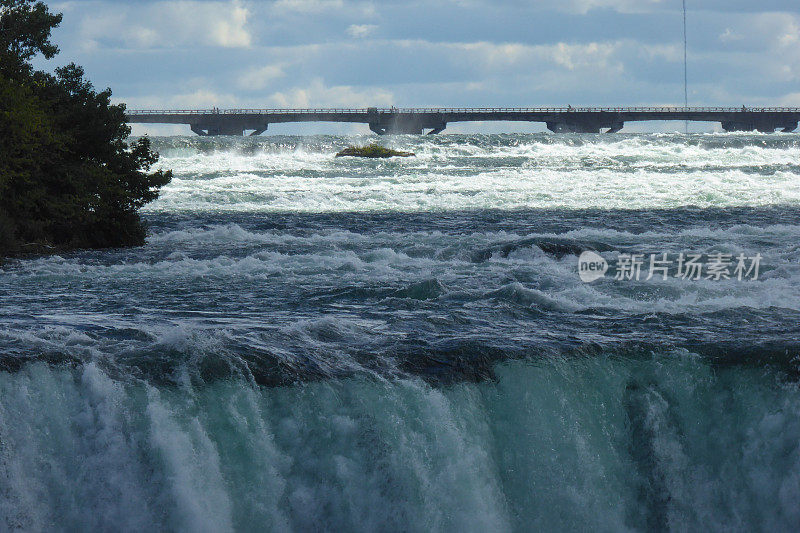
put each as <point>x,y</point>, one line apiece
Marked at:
<point>313,343</point>
<point>483,172</point>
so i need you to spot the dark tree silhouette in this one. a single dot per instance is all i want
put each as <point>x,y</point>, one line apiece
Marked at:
<point>68,176</point>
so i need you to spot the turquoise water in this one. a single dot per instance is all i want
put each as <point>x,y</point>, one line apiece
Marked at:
<point>311,343</point>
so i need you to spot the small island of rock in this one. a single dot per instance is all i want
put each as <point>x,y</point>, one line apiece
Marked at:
<point>372,150</point>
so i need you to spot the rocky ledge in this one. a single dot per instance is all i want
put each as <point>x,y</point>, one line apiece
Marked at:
<point>372,150</point>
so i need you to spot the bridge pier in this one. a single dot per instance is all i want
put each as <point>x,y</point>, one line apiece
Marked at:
<point>207,130</point>
<point>405,129</point>
<point>211,124</point>
<point>748,126</point>
<point>236,131</point>
<point>393,122</point>
<point>397,126</point>
<point>377,128</point>
<point>753,122</point>
<point>573,127</point>
<point>196,128</point>
<point>589,125</point>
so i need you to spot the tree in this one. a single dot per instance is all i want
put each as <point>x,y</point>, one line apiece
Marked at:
<point>25,32</point>
<point>68,176</point>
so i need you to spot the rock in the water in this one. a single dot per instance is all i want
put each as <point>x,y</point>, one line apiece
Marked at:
<point>372,150</point>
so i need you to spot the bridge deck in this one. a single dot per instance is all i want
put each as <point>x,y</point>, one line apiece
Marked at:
<point>415,120</point>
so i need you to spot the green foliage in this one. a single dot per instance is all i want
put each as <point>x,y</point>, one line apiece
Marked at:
<point>68,176</point>
<point>24,32</point>
<point>373,150</point>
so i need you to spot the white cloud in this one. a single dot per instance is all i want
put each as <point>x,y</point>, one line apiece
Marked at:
<point>347,8</point>
<point>729,36</point>
<point>360,31</point>
<point>260,78</point>
<point>198,99</point>
<point>762,31</point>
<point>581,56</point>
<point>308,6</point>
<point>790,36</point>
<point>623,6</point>
<point>792,99</point>
<point>771,39</point>
<point>168,24</point>
<point>494,55</point>
<point>62,7</point>
<point>232,31</point>
<point>317,94</point>
<point>513,55</point>
<point>743,54</point>
<point>577,6</point>
<point>671,53</point>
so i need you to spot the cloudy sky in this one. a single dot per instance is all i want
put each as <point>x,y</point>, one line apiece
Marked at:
<point>325,53</point>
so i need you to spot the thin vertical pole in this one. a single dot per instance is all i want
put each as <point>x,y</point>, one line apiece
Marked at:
<point>685,69</point>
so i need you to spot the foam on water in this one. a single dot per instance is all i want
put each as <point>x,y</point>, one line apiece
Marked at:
<point>306,261</point>
<point>638,448</point>
<point>476,173</point>
<point>312,343</point>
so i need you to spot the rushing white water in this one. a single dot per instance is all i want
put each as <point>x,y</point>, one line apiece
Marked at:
<point>546,447</point>
<point>313,343</point>
<point>476,172</point>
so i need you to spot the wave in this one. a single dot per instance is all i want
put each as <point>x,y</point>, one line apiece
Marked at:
<point>631,445</point>
<point>280,355</point>
<point>498,188</point>
<point>434,265</point>
<point>463,172</point>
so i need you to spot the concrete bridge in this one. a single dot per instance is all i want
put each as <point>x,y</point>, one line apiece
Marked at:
<point>434,120</point>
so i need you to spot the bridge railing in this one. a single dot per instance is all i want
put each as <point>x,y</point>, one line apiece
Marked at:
<point>418,110</point>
